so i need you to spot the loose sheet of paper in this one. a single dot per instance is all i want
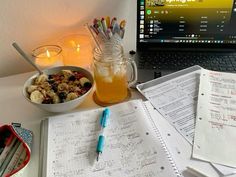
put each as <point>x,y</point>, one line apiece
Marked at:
<point>176,100</point>
<point>215,131</point>
<point>131,147</point>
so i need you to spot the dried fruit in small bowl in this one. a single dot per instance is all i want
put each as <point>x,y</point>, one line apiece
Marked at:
<point>60,87</point>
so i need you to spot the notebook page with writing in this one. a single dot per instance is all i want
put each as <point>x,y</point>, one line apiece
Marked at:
<point>178,147</point>
<point>216,118</point>
<point>133,147</point>
<point>176,99</point>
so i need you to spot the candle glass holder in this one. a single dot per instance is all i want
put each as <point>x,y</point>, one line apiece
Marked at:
<point>77,50</point>
<point>48,56</point>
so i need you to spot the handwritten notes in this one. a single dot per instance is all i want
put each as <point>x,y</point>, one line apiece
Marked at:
<point>132,148</point>
<point>165,92</point>
<point>215,132</point>
<point>176,100</point>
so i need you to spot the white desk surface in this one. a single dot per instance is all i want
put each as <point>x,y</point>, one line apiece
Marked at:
<point>14,108</point>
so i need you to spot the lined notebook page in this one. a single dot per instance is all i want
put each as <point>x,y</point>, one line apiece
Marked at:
<point>132,148</point>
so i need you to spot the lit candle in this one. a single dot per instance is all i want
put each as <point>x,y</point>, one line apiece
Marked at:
<point>77,50</point>
<point>48,56</point>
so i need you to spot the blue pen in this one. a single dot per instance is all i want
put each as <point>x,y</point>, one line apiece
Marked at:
<point>101,139</point>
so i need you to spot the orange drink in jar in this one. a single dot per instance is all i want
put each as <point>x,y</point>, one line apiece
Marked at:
<point>111,77</point>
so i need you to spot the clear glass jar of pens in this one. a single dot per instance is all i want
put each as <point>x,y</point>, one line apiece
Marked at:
<point>113,72</point>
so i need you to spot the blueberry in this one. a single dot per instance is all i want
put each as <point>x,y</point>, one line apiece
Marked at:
<point>51,81</point>
<point>62,101</point>
<point>48,101</point>
<point>62,95</point>
<point>54,87</point>
<point>87,85</point>
<point>50,76</point>
<point>72,78</point>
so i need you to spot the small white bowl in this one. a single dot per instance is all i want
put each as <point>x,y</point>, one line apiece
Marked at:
<point>60,107</point>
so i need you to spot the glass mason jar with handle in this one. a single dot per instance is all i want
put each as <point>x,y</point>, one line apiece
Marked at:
<point>113,74</point>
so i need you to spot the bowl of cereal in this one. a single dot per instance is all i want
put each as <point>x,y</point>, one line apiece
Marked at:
<point>59,89</point>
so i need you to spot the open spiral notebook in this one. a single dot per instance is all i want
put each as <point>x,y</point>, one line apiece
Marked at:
<point>133,145</point>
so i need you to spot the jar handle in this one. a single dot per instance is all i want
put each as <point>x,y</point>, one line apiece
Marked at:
<point>134,73</point>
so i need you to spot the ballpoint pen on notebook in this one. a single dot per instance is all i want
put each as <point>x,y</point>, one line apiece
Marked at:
<point>101,139</point>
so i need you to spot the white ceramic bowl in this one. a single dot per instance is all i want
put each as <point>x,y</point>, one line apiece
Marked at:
<point>60,107</point>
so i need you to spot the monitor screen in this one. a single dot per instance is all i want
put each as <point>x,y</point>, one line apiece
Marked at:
<point>187,21</point>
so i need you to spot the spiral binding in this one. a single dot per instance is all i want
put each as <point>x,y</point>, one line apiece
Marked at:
<point>175,169</point>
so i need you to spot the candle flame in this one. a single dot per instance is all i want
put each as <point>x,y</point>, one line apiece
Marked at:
<point>78,48</point>
<point>48,54</point>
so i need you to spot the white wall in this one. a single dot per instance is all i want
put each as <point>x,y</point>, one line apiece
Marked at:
<point>32,23</point>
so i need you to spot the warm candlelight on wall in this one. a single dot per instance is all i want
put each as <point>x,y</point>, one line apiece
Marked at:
<point>48,56</point>
<point>77,50</point>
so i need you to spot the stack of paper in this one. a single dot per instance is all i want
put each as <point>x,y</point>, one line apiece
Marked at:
<point>176,97</point>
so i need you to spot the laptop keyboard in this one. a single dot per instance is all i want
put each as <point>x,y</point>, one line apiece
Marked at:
<point>180,60</point>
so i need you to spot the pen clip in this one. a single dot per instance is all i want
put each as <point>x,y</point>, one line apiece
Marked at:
<point>104,118</point>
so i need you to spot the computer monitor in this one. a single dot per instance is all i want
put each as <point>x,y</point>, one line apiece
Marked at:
<point>186,23</point>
